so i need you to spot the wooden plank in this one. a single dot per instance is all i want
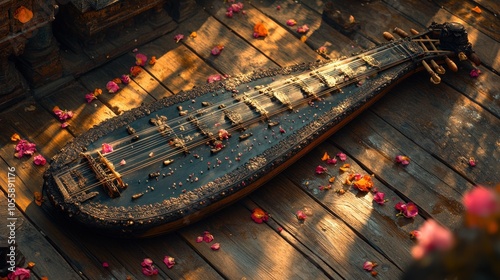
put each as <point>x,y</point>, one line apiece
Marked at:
<point>177,69</point>
<point>248,250</point>
<point>327,235</point>
<point>145,80</point>
<point>129,96</point>
<point>486,22</point>
<point>432,185</point>
<point>376,224</point>
<point>280,45</point>
<point>33,122</point>
<point>320,33</point>
<point>210,34</point>
<point>86,115</point>
<point>32,244</point>
<point>453,128</point>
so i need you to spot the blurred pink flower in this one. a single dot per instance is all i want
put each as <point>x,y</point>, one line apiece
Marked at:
<point>19,274</point>
<point>320,169</point>
<point>140,59</point>
<point>90,97</point>
<point>62,114</point>
<point>404,160</point>
<point>409,210</point>
<point>23,147</point>
<point>214,78</point>
<point>303,29</point>
<point>106,148</point>
<point>379,198</point>
<point>112,87</point>
<point>169,261</point>
<point>432,237</point>
<point>368,265</point>
<point>481,201</point>
<point>342,156</point>
<point>178,38</point>
<point>207,237</point>
<point>125,79</point>
<point>301,215</point>
<point>39,160</point>
<point>291,22</point>
<point>215,246</point>
<point>217,50</point>
<point>474,73</point>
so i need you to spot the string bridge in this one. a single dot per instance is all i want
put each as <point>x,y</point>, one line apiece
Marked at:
<point>106,174</point>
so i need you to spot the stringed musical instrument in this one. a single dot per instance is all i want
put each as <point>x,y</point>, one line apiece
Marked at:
<point>179,159</point>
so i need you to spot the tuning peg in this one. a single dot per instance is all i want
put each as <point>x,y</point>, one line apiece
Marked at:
<point>388,36</point>
<point>400,32</point>
<point>414,31</point>
<point>435,79</point>
<point>462,56</point>
<point>453,67</point>
<point>438,68</point>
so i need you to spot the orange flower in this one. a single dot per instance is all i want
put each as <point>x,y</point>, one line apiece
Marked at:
<point>476,9</point>
<point>364,184</point>
<point>259,216</point>
<point>152,61</point>
<point>260,30</point>
<point>325,157</point>
<point>23,14</point>
<point>15,137</point>
<point>345,167</point>
<point>135,70</point>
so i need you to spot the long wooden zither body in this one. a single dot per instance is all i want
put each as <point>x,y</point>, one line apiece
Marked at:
<point>178,159</point>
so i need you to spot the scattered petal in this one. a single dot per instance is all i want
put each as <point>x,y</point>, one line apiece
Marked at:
<point>199,239</point>
<point>364,184</point>
<point>331,161</point>
<point>432,237</point>
<point>125,79</point>
<point>259,216</point>
<point>39,160</point>
<point>404,160</point>
<point>278,7</point>
<point>90,97</point>
<point>106,148</point>
<point>112,87</point>
<point>214,78</point>
<point>140,59</point>
<point>215,246</point>
<point>117,80</point>
<point>320,169</point>
<point>217,50</point>
<point>476,10</point>
<point>169,261</point>
<point>19,274</point>
<point>236,7</point>
<point>321,50</point>
<point>414,234</point>
<point>303,39</point>
<point>23,14</point>
<point>15,137</point>
<point>345,167</point>
<point>97,91</point>
<point>65,124</point>
<point>411,210</point>
<point>24,147</point>
<point>63,115</point>
<point>481,201</point>
<point>178,37</point>
<point>260,30</point>
<point>152,61</point>
<point>303,29</point>
<point>291,22</point>
<point>342,156</point>
<point>325,157</point>
<point>208,237</point>
<point>301,216</point>
<point>105,264</point>
<point>135,70</point>
<point>368,265</point>
<point>379,198</point>
<point>193,34</point>
<point>123,162</point>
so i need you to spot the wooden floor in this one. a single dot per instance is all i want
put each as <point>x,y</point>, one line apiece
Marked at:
<point>438,126</point>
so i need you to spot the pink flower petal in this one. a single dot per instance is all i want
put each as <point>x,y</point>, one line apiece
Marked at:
<point>342,156</point>
<point>214,78</point>
<point>24,147</point>
<point>169,261</point>
<point>125,79</point>
<point>105,264</point>
<point>301,215</point>
<point>368,266</point>
<point>432,237</point>
<point>112,87</point>
<point>106,148</point>
<point>481,201</point>
<point>140,59</point>
<point>411,210</point>
<point>379,198</point>
<point>90,97</point>
<point>199,239</point>
<point>320,169</point>
<point>291,22</point>
<point>39,160</point>
<point>178,38</point>
<point>215,246</point>
<point>19,274</point>
<point>208,237</point>
<point>303,29</point>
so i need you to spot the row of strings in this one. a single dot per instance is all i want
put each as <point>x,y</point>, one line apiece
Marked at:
<point>157,144</point>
